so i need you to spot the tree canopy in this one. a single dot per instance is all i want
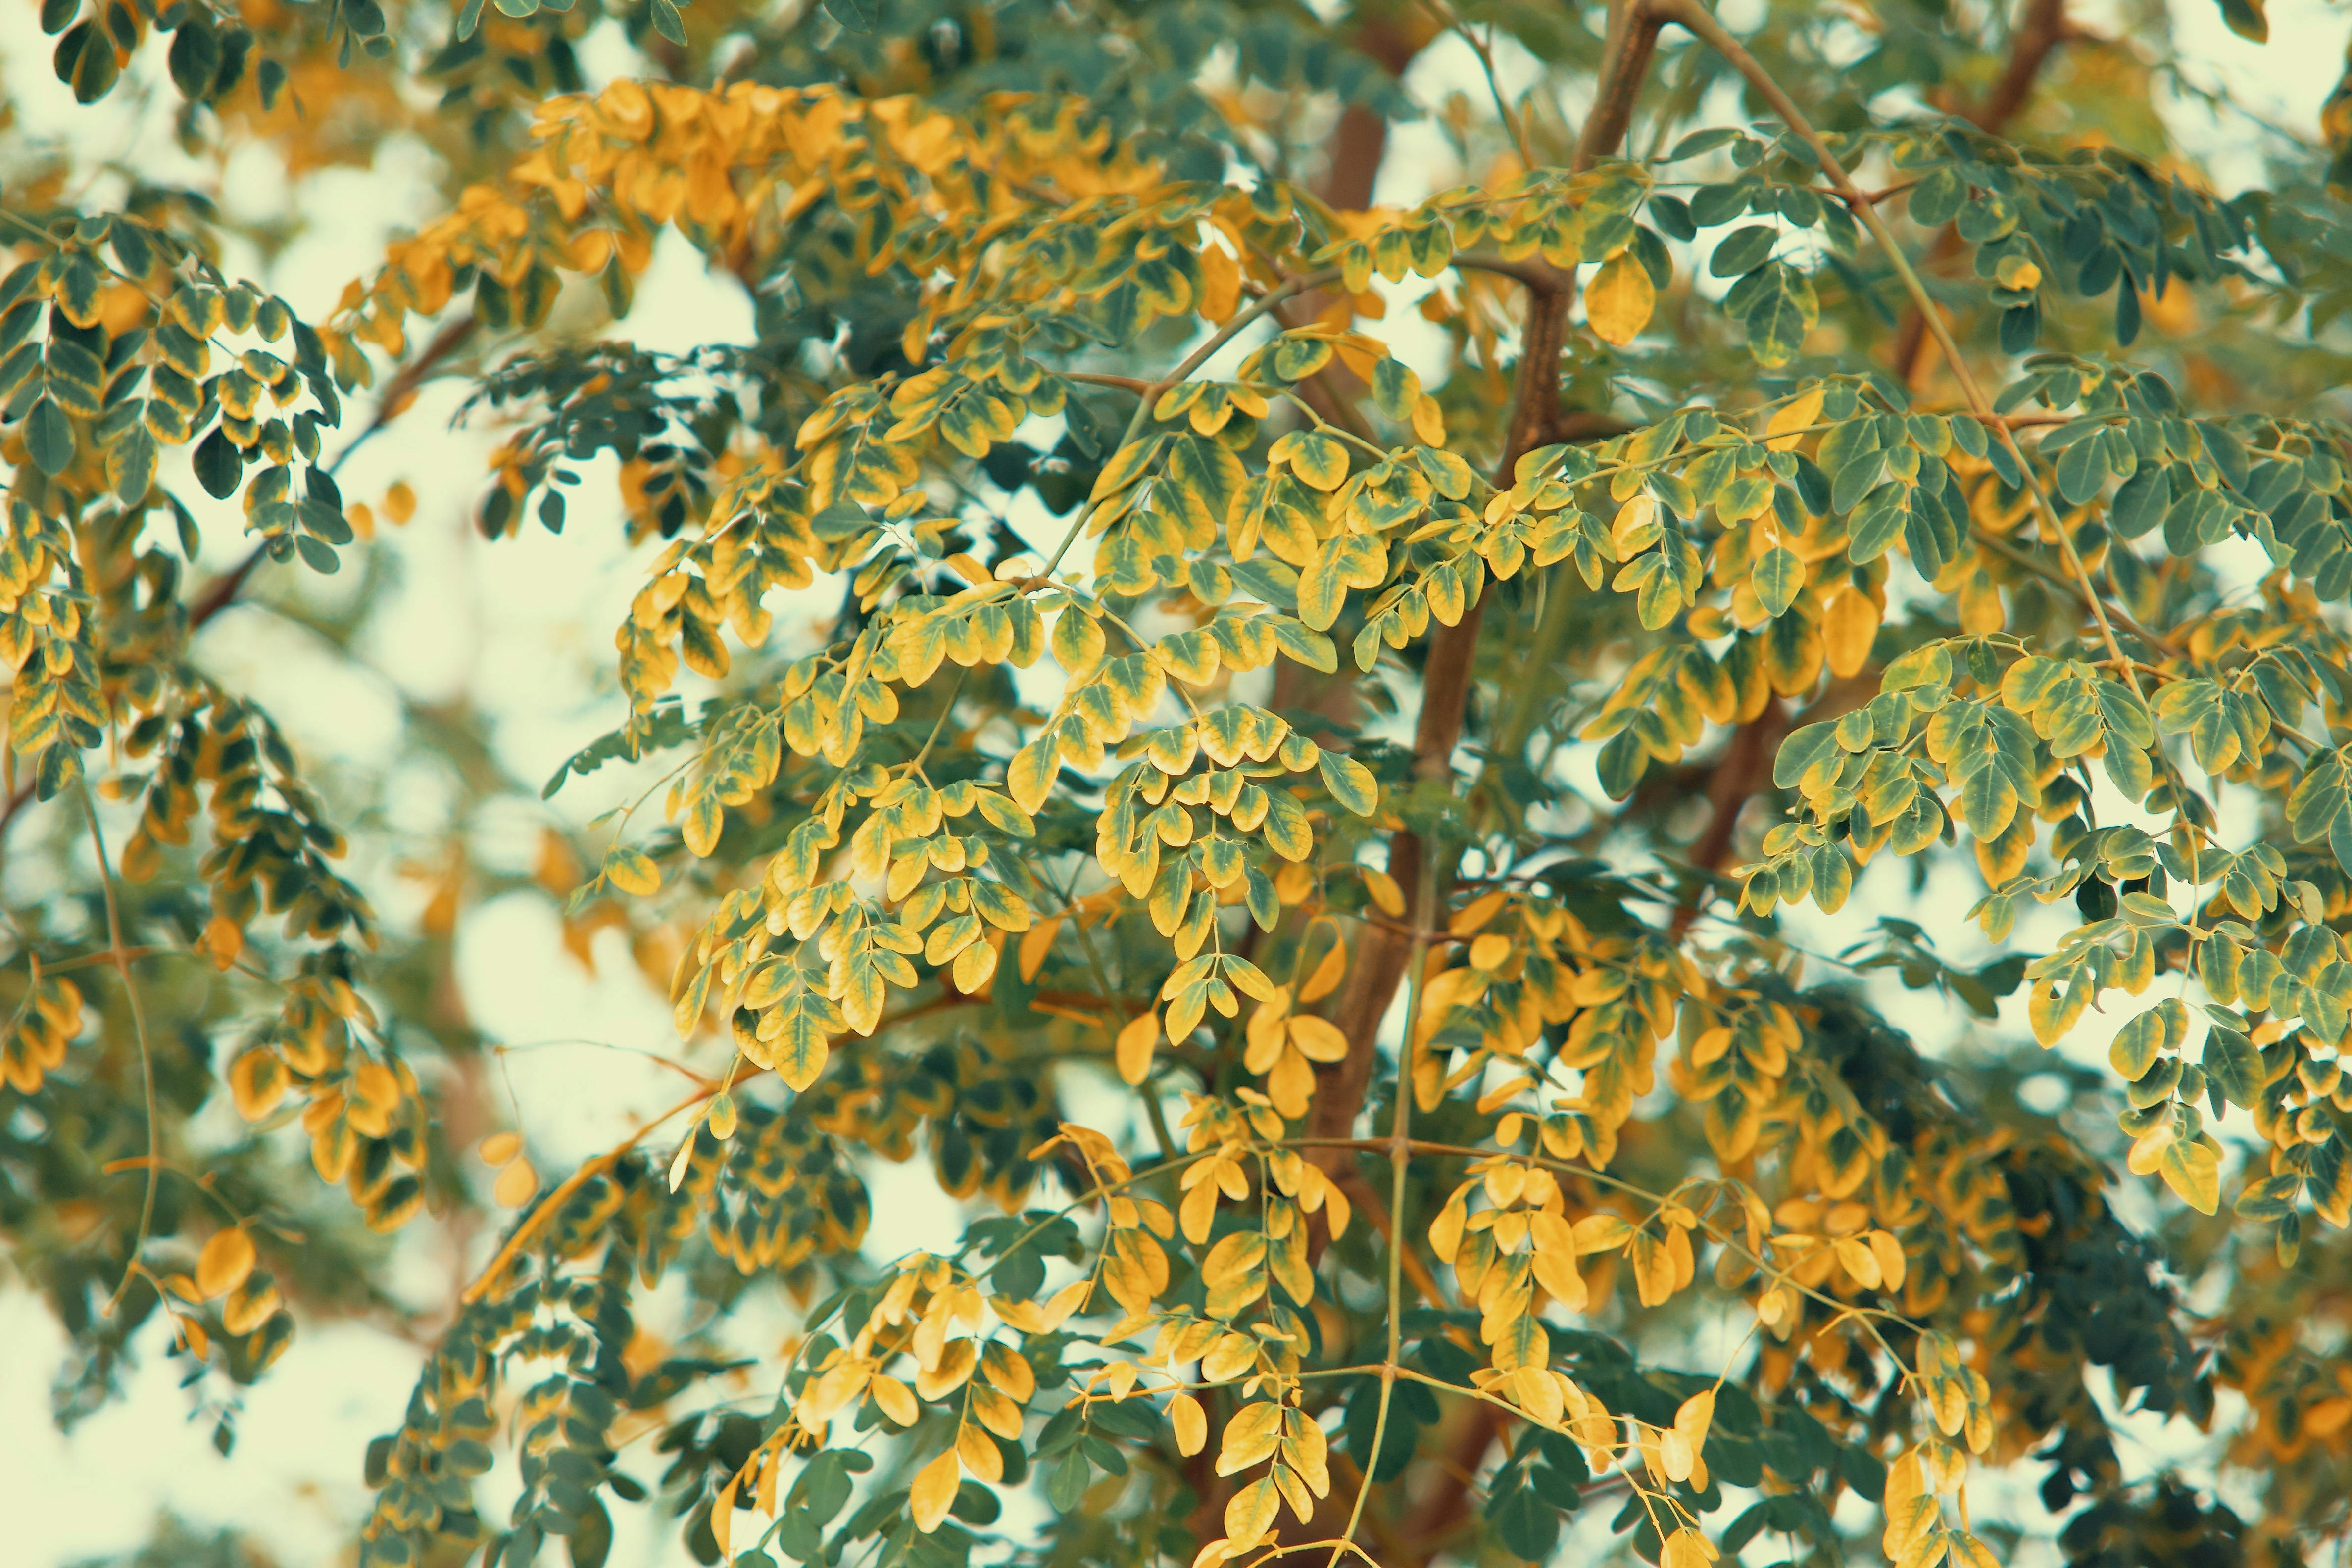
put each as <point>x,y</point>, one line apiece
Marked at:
<point>1630,836</point>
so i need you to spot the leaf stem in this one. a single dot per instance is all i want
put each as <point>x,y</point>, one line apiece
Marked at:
<point>1399,1152</point>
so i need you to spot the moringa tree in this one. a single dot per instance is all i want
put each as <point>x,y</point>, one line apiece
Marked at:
<point>1414,783</point>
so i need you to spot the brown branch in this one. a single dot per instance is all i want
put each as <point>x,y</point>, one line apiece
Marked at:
<point>1383,953</point>
<point>1380,955</point>
<point>1442,1511</point>
<point>1739,772</point>
<point>2040,28</point>
<point>1375,1210</point>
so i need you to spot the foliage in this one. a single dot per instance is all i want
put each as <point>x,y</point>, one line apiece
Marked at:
<point>1329,821</point>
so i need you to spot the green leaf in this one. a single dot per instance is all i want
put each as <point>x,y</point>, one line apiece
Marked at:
<point>1743,250</point>
<point>1395,389</point>
<point>2233,1065</point>
<point>1350,782</point>
<point>1878,522</point>
<point>1343,561</point>
<point>2083,471</point>
<point>1779,310</point>
<point>1528,1526</point>
<point>130,464</point>
<point>49,437</point>
<point>1812,746</point>
<point>85,61</point>
<point>2246,19</point>
<point>219,466</point>
<point>2139,1042</point>
<point>1778,577</point>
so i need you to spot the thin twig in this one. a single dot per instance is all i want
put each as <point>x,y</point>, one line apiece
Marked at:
<point>1485,50</point>
<point>554,1203</point>
<point>1400,1149</point>
<point>1696,19</point>
<point>139,1033</point>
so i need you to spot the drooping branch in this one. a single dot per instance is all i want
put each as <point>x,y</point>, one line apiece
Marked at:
<point>1747,760</point>
<point>1701,22</point>
<point>223,591</point>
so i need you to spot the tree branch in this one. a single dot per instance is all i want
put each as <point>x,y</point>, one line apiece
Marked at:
<point>1701,22</point>
<point>1747,760</point>
<point>2041,28</point>
<point>122,956</point>
<point>1381,956</point>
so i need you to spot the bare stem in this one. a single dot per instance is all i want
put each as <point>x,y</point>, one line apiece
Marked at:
<point>122,955</point>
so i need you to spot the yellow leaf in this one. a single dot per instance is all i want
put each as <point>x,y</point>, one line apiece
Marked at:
<point>2193,1169</point>
<point>1687,1548</point>
<point>1385,893</point>
<point>224,1262</point>
<point>1695,1415</point>
<point>2147,1153</point>
<point>518,1181</point>
<point>1318,1039</point>
<point>1618,300</point>
<point>896,1400</point>
<point>1220,283</point>
<point>978,1454</point>
<point>1330,971</point>
<point>632,871</point>
<point>1601,1233</point>
<point>1653,1269</point>
<point>1035,943</point>
<point>1892,1265</point>
<point>1849,626</point>
<point>1971,1553</point>
<point>501,1147</point>
<point>722,1515</point>
<point>1249,1438</point>
<point>1791,417</point>
<point>222,939</point>
<point>1192,1424</point>
<point>1445,1230</point>
<point>1135,1044</point>
<point>1910,1506</point>
<point>1251,1512</point>
<point>1858,1261</point>
<point>1428,420</point>
<point>934,1491</point>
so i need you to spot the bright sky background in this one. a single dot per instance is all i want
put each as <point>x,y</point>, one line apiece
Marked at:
<point>522,630</point>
